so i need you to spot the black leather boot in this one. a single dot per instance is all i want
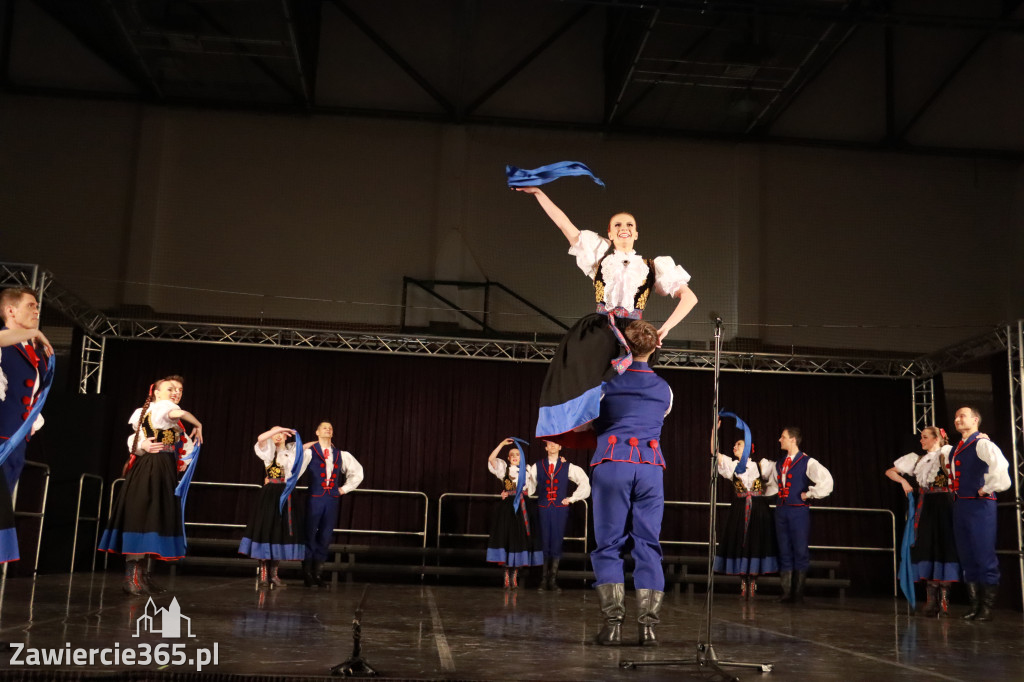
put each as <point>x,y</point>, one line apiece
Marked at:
<point>931,604</point>
<point>132,583</point>
<point>974,597</point>
<point>545,575</point>
<point>307,572</point>
<point>262,578</point>
<point>988,600</point>
<point>318,578</point>
<point>147,579</point>
<point>743,587</point>
<point>649,610</point>
<point>786,577</point>
<point>275,580</point>
<point>943,600</point>
<point>798,587</point>
<point>613,606</point>
<point>553,577</point>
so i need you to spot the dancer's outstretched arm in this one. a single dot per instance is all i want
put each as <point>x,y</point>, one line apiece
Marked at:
<point>570,231</point>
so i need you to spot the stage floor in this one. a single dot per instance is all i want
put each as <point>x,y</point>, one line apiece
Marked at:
<point>444,632</point>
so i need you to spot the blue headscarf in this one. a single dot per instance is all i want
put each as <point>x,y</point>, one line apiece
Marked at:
<point>906,573</point>
<point>521,479</point>
<point>293,477</point>
<point>740,424</point>
<point>520,177</point>
<point>26,426</point>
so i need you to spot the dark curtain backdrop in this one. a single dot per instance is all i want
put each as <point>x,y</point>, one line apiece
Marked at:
<point>428,424</point>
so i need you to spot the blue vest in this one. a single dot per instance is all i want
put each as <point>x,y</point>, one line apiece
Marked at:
<point>320,484</point>
<point>21,381</point>
<point>552,489</point>
<point>632,413</point>
<point>969,470</point>
<point>794,481</point>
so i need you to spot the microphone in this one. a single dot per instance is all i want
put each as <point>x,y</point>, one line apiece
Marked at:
<point>716,318</point>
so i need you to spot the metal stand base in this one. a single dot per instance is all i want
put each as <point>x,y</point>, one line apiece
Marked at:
<point>355,666</point>
<point>707,659</point>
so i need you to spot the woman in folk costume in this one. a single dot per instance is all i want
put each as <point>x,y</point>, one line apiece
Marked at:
<point>748,547</point>
<point>146,519</point>
<point>514,541</point>
<point>933,553</point>
<point>594,350</point>
<point>277,529</point>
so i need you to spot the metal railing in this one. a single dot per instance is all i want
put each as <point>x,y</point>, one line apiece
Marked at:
<point>79,518</point>
<point>440,507</point>
<point>41,514</point>
<point>894,549</point>
<point>360,491</point>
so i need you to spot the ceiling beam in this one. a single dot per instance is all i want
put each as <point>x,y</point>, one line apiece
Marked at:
<point>397,58</point>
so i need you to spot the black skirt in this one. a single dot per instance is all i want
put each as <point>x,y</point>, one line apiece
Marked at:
<point>273,534</point>
<point>748,545</point>
<point>570,397</point>
<point>146,518</point>
<point>515,534</point>
<point>934,550</point>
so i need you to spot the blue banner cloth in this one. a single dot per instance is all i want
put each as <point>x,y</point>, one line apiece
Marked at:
<point>740,424</point>
<point>182,490</point>
<point>521,177</point>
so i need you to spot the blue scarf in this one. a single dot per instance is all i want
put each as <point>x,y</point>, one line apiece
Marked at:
<point>521,480</point>
<point>293,477</point>
<point>740,424</point>
<point>182,489</point>
<point>520,177</point>
<point>906,572</point>
<point>26,426</point>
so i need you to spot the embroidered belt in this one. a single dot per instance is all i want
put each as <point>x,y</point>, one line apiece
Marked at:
<point>937,490</point>
<point>620,312</point>
<point>273,480</point>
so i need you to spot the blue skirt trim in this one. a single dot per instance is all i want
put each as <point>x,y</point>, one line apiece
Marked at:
<point>933,570</point>
<point>273,552</point>
<point>557,419</point>
<point>746,565</point>
<point>515,559</point>
<point>164,546</point>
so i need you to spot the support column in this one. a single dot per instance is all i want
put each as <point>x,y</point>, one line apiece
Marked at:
<point>90,369</point>
<point>1015,367</point>
<point>923,396</point>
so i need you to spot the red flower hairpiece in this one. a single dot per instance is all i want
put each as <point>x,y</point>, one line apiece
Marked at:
<point>942,431</point>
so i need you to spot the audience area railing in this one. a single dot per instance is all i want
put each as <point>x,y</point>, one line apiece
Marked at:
<point>90,519</point>
<point>816,510</point>
<point>455,496</point>
<point>40,514</point>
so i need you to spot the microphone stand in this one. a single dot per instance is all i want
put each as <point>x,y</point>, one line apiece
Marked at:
<point>706,658</point>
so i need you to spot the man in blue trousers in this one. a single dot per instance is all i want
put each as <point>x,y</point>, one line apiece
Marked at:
<point>629,496</point>
<point>327,467</point>
<point>553,475</point>
<point>798,479</point>
<point>978,470</point>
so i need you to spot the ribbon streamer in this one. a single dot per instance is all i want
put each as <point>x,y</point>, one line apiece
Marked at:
<point>181,491</point>
<point>740,424</point>
<point>521,177</point>
<point>293,477</point>
<point>521,481</point>
<point>906,573</point>
<point>26,426</point>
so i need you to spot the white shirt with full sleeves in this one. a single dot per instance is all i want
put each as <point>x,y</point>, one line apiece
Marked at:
<point>924,468</point>
<point>158,417</point>
<point>499,467</point>
<point>727,469</point>
<point>998,477</point>
<point>352,470</point>
<point>625,273</point>
<point>576,475</point>
<point>285,458</point>
<point>818,475</point>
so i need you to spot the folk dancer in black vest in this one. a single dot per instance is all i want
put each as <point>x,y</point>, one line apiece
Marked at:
<point>798,480</point>
<point>275,534</point>
<point>978,470</point>
<point>933,553</point>
<point>553,475</point>
<point>328,465</point>
<point>748,547</point>
<point>146,518</point>
<point>627,475</point>
<point>514,540</point>
<point>21,367</point>
<point>586,357</point>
